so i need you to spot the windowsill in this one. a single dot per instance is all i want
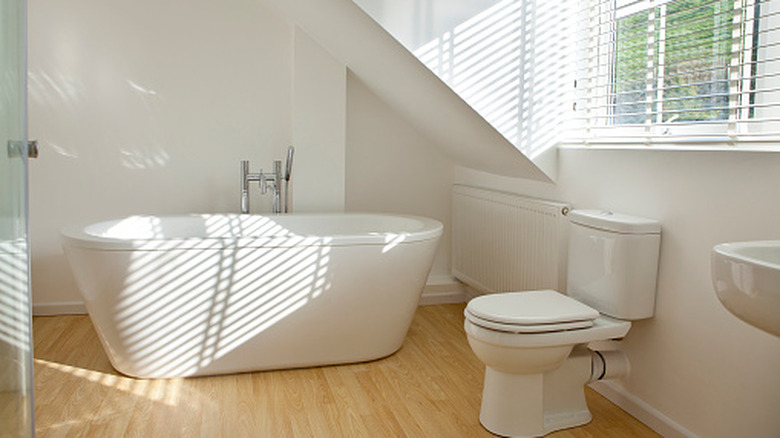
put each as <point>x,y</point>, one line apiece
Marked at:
<point>688,145</point>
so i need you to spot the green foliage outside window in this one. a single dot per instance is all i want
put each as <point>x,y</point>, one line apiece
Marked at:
<point>671,63</point>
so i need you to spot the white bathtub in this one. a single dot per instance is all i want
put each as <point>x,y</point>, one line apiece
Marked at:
<point>213,294</point>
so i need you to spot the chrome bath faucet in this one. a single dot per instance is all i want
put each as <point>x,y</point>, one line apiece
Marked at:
<point>264,180</point>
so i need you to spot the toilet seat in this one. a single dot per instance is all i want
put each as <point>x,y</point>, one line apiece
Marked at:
<point>604,328</point>
<point>542,311</point>
<point>520,328</point>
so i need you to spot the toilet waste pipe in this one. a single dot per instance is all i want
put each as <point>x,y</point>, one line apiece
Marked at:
<point>608,364</point>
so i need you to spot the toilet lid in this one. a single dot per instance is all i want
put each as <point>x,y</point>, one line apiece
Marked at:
<point>530,312</point>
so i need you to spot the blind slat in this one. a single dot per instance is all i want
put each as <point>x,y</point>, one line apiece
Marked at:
<point>724,95</point>
<point>642,82</point>
<point>728,24</point>
<point>652,67</point>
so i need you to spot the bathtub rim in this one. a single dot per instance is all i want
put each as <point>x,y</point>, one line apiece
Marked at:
<point>76,235</point>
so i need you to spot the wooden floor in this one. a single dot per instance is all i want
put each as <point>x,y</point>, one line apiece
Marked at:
<point>430,388</point>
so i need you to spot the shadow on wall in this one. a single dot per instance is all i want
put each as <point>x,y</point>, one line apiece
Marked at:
<point>507,59</point>
<point>137,148</point>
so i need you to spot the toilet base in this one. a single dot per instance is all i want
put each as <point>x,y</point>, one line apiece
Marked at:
<point>528,405</point>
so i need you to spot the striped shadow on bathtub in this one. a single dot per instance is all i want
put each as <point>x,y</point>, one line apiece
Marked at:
<point>505,242</point>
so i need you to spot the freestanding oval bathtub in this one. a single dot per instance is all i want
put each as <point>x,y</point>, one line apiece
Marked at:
<point>213,294</point>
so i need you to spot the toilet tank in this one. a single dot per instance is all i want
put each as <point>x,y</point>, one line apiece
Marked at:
<point>613,262</point>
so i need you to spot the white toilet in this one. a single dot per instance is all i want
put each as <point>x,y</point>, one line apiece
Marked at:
<point>534,343</point>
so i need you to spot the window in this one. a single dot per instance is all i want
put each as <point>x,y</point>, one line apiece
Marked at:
<point>669,70</point>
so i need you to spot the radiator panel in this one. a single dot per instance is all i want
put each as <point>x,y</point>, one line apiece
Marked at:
<point>503,242</point>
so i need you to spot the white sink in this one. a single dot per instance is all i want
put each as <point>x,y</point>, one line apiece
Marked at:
<point>746,276</point>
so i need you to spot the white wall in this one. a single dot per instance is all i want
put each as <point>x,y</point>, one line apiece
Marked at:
<point>391,167</point>
<point>510,60</point>
<point>416,23</point>
<point>406,85</point>
<point>147,108</point>
<point>319,128</point>
<point>693,362</point>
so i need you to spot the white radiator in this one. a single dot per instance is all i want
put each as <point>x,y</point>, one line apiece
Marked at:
<point>504,242</point>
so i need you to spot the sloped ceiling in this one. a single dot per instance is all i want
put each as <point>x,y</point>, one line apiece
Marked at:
<point>403,82</point>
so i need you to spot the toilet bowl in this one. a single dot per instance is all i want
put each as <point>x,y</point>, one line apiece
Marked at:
<point>526,391</point>
<point>534,343</point>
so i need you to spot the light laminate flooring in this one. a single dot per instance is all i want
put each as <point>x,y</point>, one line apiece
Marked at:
<point>430,388</point>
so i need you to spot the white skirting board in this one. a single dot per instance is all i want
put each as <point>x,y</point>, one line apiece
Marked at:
<point>443,289</point>
<point>67,308</point>
<point>640,410</point>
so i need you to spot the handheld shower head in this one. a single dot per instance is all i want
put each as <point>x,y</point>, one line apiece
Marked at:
<point>288,170</point>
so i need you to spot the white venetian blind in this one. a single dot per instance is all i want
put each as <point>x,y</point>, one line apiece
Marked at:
<point>678,70</point>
